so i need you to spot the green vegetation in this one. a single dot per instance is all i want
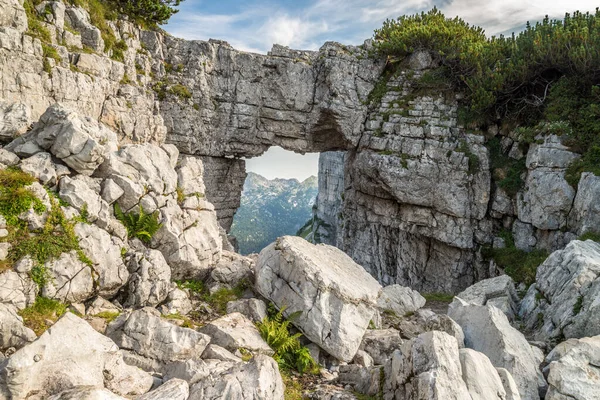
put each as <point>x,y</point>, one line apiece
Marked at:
<point>49,52</point>
<point>43,311</point>
<point>219,299</point>
<point>164,87</point>
<point>473,160</point>
<point>180,91</point>
<point>35,21</point>
<point>57,236</point>
<point>289,353</point>
<point>14,197</point>
<point>595,236</point>
<point>108,316</point>
<point>186,322</point>
<point>548,72</point>
<point>141,225</point>
<point>293,388</point>
<point>507,172</point>
<point>578,305</point>
<point>436,296</point>
<point>518,264</point>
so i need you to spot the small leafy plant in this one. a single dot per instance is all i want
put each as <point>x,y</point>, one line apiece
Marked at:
<point>141,225</point>
<point>37,316</point>
<point>289,353</point>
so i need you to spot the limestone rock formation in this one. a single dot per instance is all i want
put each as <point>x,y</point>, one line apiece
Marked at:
<point>487,330</point>
<point>400,300</point>
<point>70,354</point>
<point>498,292</point>
<point>235,331</point>
<point>336,297</point>
<point>573,370</point>
<point>563,300</point>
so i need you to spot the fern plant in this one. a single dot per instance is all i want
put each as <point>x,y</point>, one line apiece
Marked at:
<point>141,225</point>
<point>289,353</point>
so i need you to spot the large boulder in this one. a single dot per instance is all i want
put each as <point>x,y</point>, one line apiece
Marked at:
<point>564,298</point>
<point>70,354</point>
<point>380,344</point>
<point>336,297</point>
<point>427,367</point>
<point>585,215</point>
<point>257,380</point>
<point>488,331</point>
<point>144,332</point>
<point>573,370</point>
<point>17,289</point>
<point>80,142</point>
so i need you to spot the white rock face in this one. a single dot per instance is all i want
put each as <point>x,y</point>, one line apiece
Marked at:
<point>566,293</point>
<point>381,343</point>
<point>499,292</point>
<point>173,389</point>
<point>150,279</point>
<point>41,167</point>
<point>104,251</point>
<point>573,371</point>
<point>80,142</point>
<point>336,296</point>
<point>427,367</point>
<point>86,393</point>
<point>234,331</point>
<point>399,299</point>
<point>144,332</point>
<point>71,280</point>
<point>488,331</point>
<point>12,331</point>
<point>15,118</point>
<point>482,379</point>
<point>510,386</point>
<point>71,353</point>
<point>258,379</point>
<point>17,289</point>
<point>585,215</point>
<point>253,309</point>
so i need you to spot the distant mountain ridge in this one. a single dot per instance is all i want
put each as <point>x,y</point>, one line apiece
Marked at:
<point>272,208</point>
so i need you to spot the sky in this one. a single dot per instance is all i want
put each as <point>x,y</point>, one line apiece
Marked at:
<point>255,25</point>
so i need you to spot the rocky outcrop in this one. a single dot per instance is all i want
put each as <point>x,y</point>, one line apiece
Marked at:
<point>498,292</point>
<point>329,200</point>
<point>335,312</point>
<point>563,300</point>
<point>572,370</point>
<point>71,354</point>
<point>488,331</point>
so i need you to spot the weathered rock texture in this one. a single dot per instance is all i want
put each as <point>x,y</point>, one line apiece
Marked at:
<point>563,302</point>
<point>335,311</point>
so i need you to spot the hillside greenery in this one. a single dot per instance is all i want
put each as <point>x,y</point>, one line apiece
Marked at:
<point>548,73</point>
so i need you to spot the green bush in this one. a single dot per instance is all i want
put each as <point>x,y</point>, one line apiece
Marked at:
<point>548,72</point>
<point>595,236</point>
<point>42,314</point>
<point>518,264</point>
<point>149,12</point>
<point>14,197</point>
<point>140,225</point>
<point>289,353</point>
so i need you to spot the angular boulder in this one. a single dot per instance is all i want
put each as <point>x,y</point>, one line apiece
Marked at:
<point>150,279</point>
<point>380,344</point>
<point>15,118</point>
<point>70,354</point>
<point>564,298</point>
<point>70,279</point>
<point>482,379</point>
<point>80,142</point>
<point>574,370</point>
<point>499,292</point>
<point>488,331</point>
<point>235,331</point>
<point>258,379</point>
<point>145,333</point>
<point>337,297</point>
<point>173,389</point>
<point>427,367</point>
